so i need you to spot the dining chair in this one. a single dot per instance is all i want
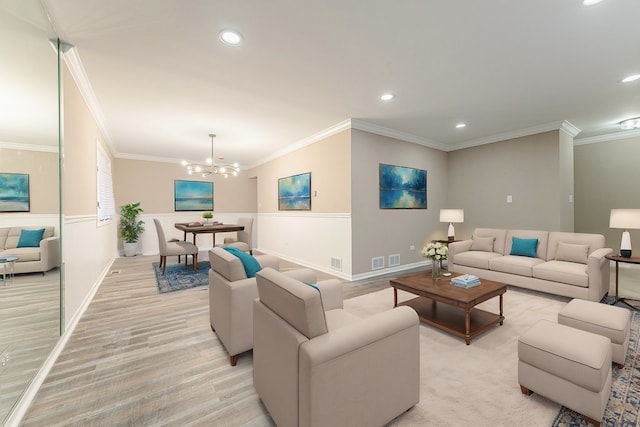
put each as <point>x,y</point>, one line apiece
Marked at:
<point>174,248</point>
<point>242,240</point>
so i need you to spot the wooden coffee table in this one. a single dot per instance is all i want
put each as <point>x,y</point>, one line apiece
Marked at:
<point>449,307</point>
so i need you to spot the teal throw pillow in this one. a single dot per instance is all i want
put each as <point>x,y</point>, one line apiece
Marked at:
<point>30,238</point>
<point>524,247</point>
<point>250,264</point>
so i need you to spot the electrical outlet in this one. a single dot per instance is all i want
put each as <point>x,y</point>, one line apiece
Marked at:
<point>509,198</point>
<point>412,248</point>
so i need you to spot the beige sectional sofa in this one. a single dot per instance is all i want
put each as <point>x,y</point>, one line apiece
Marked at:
<point>31,259</point>
<point>567,264</point>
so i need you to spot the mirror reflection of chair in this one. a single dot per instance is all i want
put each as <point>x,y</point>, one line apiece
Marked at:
<point>174,248</point>
<point>243,239</point>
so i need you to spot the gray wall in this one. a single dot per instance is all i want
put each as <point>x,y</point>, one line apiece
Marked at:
<point>382,232</point>
<point>607,177</point>
<point>535,170</point>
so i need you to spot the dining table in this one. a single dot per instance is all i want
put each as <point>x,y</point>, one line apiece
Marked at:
<point>196,228</point>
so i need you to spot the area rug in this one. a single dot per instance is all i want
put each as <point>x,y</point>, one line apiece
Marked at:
<point>179,276</point>
<point>622,409</point>
<point>476,384</point>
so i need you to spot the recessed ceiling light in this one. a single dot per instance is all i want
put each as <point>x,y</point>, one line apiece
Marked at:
<point>631,78</point>
<point>590,2</point>
<point>231,37</point>
<point>460,125</point>
<point>387,96</point>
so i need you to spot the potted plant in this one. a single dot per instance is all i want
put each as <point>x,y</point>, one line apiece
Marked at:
<point>130,227</point>
<point>207,217</point>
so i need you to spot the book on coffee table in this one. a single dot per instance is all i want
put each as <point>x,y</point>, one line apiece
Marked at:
<point>466,281</point>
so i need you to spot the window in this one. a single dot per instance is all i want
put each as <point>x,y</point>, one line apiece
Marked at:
<point>106,203</point>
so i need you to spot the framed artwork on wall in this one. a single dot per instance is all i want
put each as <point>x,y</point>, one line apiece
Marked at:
<point>402,187</point>
<point>294,192</point>
<point>14,192</point>
<point>193,195</point>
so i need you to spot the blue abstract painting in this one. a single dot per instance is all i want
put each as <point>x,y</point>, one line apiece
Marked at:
<point>193,196</point>
<point>294,192</point>
<point>402,187</point>
<point>14,192</point>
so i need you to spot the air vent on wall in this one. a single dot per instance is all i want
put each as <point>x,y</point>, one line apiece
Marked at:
<point>394,260</point>
<point>336,263</point>
<point>377,263</point>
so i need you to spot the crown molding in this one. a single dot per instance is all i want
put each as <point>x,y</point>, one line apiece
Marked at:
<point>608,137</point>
<point>515,134</point>
<point>72,59</point>
<point>337,128</point>
<point>568,128</point>
<point>29,147</point>
<point>396,134</point>
<point>129,156</point>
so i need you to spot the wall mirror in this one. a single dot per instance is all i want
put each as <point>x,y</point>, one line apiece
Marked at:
<point>30,302</point>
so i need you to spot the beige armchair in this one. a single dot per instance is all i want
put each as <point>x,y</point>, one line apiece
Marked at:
<point>242,240</point>
<point>231,295</point>
<point>315,364</point>
<point>174,248</point>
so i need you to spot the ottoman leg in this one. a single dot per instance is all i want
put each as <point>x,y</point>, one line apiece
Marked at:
<point>592,421</point>
<point>525,390</point>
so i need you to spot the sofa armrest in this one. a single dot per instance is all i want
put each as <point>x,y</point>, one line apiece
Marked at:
<point>458,248</point>
<point>598,270</point>
<point>266,260</point>
<point>50,253</point>
<point>350,338</point>
<point>304,275</point>
<point>331,293</point>
<point>378,360</point>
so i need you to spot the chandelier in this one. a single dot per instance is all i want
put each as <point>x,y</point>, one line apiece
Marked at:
<point>210,167</point>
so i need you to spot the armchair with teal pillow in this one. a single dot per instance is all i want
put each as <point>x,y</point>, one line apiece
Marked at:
<point>232,289</point>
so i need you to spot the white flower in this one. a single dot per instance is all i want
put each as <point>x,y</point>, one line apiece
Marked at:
<point>435,250</point>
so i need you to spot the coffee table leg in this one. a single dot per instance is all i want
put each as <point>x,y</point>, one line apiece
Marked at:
<point>501,316</point>
<point>395,297</point>
<point>467,325</point>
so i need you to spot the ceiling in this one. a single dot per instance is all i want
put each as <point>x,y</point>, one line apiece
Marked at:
<point>163,81</point>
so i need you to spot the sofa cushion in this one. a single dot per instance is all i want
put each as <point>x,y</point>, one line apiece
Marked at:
<point>477,259</point>
<point>523,247</point>
<point>595,241</point>
<point>497,234</point>
<point>513,264</point>
<point>24,254</point>
<point>542,236</point>
<point>571,273</point>
<point>30,238</point>
<point>13,235</point>
<point>572,253</point>
<point>482,243</point>
<point>298,304</point>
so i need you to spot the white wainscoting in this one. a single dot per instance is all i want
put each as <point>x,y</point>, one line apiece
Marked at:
<point>87,254</point>
<point>310,239</point>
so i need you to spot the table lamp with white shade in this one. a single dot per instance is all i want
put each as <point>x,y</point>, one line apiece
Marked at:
<point>625,219</point>
<point>451,216</point>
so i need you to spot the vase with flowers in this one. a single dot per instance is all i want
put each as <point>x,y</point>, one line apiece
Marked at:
<point>436,252</point>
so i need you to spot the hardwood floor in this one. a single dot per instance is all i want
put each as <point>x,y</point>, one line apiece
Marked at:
<point>29,328</point>
<point>146,359</point>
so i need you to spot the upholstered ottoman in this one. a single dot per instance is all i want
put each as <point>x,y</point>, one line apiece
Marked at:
<point>567,365</point>
<point>606,320</point>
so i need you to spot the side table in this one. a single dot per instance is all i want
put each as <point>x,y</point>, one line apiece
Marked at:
<point>618,259</point>
<point>8,263</point>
